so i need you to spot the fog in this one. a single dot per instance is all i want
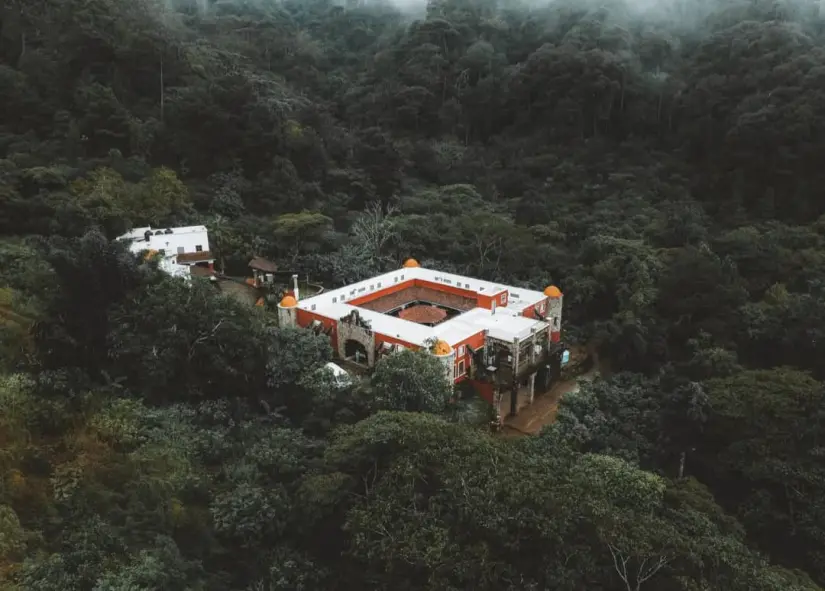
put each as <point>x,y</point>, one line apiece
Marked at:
<point>679,16</point>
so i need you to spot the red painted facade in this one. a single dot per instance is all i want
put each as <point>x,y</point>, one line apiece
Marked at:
<point>485,389</point>
<point>485,301</point>
<point>475,342</point>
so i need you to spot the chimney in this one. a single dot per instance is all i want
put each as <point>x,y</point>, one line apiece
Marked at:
<point>295,286</point>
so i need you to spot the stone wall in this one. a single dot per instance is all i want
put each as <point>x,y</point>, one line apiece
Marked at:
<point>419,294</point>
<point>354,328</point>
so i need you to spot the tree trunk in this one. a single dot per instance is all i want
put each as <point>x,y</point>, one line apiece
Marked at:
<point>682,457</point>
<point>162,92</point>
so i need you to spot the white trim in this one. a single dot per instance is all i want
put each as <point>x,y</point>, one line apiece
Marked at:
<point>460,370</point>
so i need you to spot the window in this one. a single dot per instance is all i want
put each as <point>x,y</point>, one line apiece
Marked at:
<point>503,299</point>
<point>461,351</point>
<point>199,248</point>
<point>334,300</point>
<point>313,306</point>
<point>379,285</point>
<point>180,250</point>
<point>459,370</point>
<point>556,322</point>
<point>467,285</point>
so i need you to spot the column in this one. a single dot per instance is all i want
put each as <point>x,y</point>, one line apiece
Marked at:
<point>514,398</point>
<point>532,387</point>
<point>497,406</point>
<point>515,380</point>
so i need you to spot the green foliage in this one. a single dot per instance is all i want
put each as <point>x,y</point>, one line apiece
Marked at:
<point>662,167</point>
<point>412,381</point>
<point>764,434</point>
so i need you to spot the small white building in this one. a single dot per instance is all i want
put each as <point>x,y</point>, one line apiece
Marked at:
<point>180,249</point>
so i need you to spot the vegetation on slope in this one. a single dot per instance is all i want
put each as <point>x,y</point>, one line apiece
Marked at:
<point>661,167</point>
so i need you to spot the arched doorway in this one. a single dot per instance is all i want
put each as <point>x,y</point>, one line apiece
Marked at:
<point>356,352</point>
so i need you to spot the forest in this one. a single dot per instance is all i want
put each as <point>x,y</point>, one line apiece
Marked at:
<point>660,162</point>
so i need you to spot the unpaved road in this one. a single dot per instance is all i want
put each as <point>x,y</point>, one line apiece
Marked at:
<point>542,412</point>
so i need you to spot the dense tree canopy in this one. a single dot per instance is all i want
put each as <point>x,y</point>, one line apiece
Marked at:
<point>659,162</point>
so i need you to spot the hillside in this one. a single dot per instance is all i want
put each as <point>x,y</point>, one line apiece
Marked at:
<point>659,162</point>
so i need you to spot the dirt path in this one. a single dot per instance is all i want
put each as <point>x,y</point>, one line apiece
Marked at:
<point>246,294</point>
<point>531,419</point>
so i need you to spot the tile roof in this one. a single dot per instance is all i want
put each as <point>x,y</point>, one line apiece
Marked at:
<point>195,257</point>
<point>261,264</point>
<point>423,314</point>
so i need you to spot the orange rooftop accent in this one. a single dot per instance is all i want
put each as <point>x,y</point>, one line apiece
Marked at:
<point>288,302</point>
<point>552,292</point>
<point>409,263</point>
<point>442,348</point>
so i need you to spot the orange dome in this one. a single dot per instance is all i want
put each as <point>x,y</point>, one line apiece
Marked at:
<point>288,302</point>
<point>411,263</point>
<point>552,292</point>
<point>442,348</point>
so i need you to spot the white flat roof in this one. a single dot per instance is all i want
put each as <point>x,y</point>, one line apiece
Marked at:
<point>506,324</point>
<point>139,233</point>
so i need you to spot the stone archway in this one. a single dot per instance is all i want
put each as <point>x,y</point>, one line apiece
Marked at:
<point>354,331</point>
<point>356,351</point>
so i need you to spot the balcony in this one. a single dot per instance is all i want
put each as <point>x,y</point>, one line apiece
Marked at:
<point>498,367</point>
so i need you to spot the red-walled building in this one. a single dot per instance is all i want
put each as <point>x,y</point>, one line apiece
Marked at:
<point>495,335</point>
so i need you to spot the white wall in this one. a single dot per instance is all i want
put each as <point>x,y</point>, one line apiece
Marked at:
<point>170,265</point>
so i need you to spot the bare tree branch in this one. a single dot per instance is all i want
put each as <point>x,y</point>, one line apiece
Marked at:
<point>646,571</point>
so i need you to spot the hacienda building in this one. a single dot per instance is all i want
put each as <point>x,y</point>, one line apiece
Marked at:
<point>496,337</point>
<point>182,252</point>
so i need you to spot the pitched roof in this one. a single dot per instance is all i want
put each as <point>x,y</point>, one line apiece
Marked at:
<point>261,264</point>
<point>195,257</point>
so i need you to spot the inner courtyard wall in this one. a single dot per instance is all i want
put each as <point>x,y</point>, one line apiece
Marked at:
<point>417,293</point>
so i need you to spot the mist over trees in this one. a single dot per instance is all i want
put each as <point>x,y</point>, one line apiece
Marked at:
<point>660,162</point>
